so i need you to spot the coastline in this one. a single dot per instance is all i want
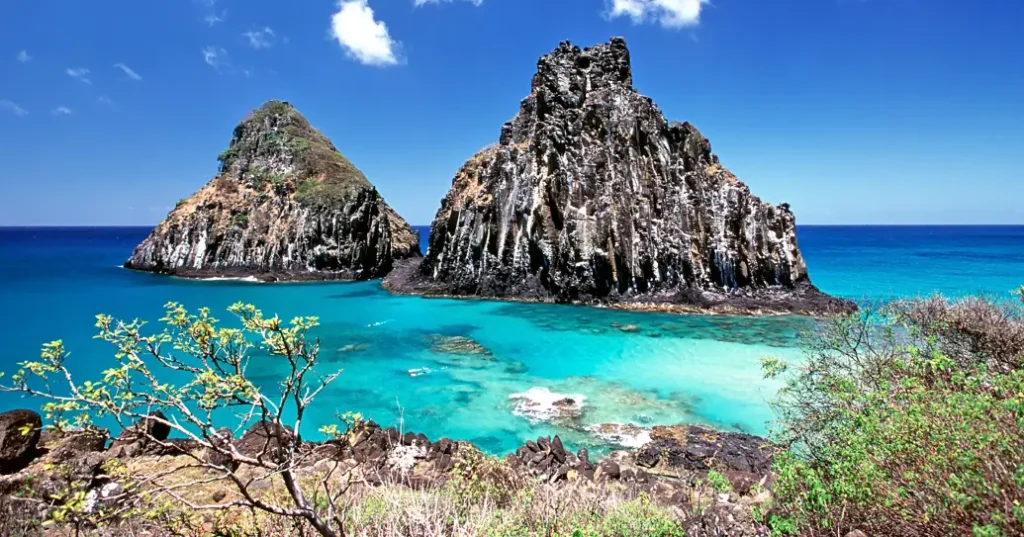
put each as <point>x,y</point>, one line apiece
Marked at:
<point>243,275</point>
<point>806,299</point>
<point>404,280</point>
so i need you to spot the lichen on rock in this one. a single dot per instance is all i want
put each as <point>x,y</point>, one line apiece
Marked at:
<point>592,196</point>
<point>285,205</point>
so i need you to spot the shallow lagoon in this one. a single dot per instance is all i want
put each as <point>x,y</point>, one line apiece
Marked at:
<point>407,361</point>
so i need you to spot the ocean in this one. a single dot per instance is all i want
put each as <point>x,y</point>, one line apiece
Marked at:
<point>674,369</point>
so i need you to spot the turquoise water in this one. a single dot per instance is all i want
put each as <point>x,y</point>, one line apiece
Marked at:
<point>673,369</point>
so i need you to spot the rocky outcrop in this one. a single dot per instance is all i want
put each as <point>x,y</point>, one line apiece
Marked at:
<point>286,205</point>
<point>76,464</point>
<point>697,449</point>
<point>591,196</point>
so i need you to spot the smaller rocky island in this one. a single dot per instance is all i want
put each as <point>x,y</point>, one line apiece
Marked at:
<point>286,205</point>
<point>591,196</point>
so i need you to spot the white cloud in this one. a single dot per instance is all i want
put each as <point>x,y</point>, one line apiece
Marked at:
<point>214,18</point>
<point>62,111</point>
<point>263,38</point>
<point>105,100</point>
<point>670,13</point>
<point>363,38</point>
<point>215,57</point>
<point>419,3</point>
<point>13,108</point>
<point>128,71</point>
<point>23,56</point>
<point>80,73</point>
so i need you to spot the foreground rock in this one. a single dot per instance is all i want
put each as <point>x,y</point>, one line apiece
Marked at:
<point>591,196</point>
<point>286,205</point>
<point>19,434</point>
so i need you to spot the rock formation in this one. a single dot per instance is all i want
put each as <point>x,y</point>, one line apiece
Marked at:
<point>286,205</point>
<point>673,471</point>
<point>591,196</point>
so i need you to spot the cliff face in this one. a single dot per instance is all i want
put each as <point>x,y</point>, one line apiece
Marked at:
<point>592,196</point>
<point>286,205</point>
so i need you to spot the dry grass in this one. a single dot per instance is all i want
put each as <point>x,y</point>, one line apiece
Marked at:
<point>481,500</point>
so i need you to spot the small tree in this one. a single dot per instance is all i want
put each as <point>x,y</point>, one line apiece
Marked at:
<point>213,360</point>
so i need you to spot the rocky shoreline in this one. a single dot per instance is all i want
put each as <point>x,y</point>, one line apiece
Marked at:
<point>406,278</point>
<point>245,274</point>
<point>666,467</point>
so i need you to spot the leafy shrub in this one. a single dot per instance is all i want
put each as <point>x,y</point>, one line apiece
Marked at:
<point>279,184</point>
<point>259,179</point>
<point>228,157</point>
<point>906,421</point>
<point>719,482</point>
<point>240,220</point>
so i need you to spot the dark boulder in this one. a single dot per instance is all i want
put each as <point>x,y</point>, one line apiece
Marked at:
<point>608,469</point>
<point>221,440</point>
<point>19,435</point>
<point>140,437</point>
<point>266,441</point>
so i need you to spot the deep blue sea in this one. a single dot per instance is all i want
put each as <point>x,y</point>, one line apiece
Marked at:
<point>675,369</point>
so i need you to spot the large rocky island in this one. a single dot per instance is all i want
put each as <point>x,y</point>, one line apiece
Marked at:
<point>286,205</point>
<point>591,196</point>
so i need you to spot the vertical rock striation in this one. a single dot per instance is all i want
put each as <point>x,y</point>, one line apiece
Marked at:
<point>286,205</point>
<point>591,196</point>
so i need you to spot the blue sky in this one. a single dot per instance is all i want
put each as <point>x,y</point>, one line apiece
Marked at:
<point>854,111</point>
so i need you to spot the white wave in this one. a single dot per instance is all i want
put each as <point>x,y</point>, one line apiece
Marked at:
<point>541,404</point>
<point>626,435</point>
<point>420,371</point>
<point>250,279</point>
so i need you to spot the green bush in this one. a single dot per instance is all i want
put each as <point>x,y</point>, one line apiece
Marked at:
<point>905,421</point>
<point>719,482</point>
<point>240,220</point>
<point>228,157</point>
<point>279,184</point>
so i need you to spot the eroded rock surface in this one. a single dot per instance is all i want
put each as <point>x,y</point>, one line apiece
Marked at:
<point>592,196</point>
<point>286,205</point>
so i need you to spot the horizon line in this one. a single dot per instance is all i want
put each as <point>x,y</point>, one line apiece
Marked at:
<point>136,226</point>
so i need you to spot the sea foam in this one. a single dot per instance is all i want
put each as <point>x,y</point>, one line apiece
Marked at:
<point>541,404</point>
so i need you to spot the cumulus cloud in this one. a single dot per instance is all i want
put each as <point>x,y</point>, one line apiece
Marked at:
<point>364,38</point>
<point>62,111</point>
<point>128,71</point>
<point>262,38</point>
<point>23,56</point>
<point>80,73</point>
<point>13,108</point>
<point>670,13</point>
<point>419,3</point>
